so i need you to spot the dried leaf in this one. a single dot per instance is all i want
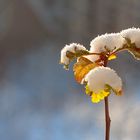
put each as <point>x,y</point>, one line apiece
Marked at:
<point>73,55</point>
<point>82,67</point>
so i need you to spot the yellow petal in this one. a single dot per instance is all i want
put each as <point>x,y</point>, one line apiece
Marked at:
<point>105,93</point>
<point>111,57</point>
<point>95,98</point>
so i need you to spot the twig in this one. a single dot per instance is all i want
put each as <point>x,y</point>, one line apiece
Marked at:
<point>107,119</point>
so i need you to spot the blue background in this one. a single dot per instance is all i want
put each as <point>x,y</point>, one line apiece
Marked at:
<point>39,100</point>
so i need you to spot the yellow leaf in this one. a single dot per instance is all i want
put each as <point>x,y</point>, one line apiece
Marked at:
<point>88,92</point>
<point>82,67</point>
<point>111,57</point>
<point>97,97</point>
<point>105,93</point>
<point>116,91</point>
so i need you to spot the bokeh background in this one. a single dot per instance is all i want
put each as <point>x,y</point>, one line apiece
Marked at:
<point>39,100</point>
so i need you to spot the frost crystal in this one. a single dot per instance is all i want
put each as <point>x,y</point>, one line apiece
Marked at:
<point>101,76</point>
<point>107,42</point>
<point>73,47</point>
<point>133,34</point>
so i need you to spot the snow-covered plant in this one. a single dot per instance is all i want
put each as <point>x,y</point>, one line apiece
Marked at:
<point>91,68</point>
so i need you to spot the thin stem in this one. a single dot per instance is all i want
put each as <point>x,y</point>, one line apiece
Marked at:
<point>94,54</point>
<point>107,119</point>
<point>125,47</point>
<point>107,116</point>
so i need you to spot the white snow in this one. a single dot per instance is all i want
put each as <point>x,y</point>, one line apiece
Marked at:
<point>72,48</point>
<point>100,76</point>
<point>133,34</point>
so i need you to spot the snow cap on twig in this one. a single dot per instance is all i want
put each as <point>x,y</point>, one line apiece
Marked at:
<point>133,34</point>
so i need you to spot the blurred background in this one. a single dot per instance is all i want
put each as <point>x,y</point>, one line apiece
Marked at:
<point>39,100</point>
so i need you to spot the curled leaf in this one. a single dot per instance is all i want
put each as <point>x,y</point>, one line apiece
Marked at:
<point>135,52</point>
<point>70,55</point>
<point>117,92</point>
<point>82,67</point>
<point>79,53</point>
<point>132,48</point>
<point>73,55</point>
